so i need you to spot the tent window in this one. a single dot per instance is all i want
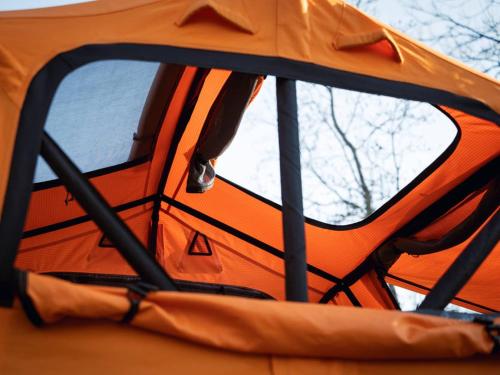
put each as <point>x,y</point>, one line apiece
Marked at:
<point>357,150</point>
<point>95,113</point>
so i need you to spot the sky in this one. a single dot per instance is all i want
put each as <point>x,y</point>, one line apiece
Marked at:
<point>30,4</point>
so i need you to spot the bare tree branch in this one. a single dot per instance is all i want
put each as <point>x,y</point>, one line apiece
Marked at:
<point>367,196</point>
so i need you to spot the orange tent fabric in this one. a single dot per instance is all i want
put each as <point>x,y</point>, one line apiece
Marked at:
<point>326,42</point>
<point>251,326</point>
<point>354,43</point>
<point>125,350</point>
<point>219,334</point>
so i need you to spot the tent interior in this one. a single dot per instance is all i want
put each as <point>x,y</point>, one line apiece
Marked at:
<point>147,135</point>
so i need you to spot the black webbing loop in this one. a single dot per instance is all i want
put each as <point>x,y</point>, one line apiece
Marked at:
<point>27,303</point>
<point>461,232</point>
<point>135,294</point>
<point>492,328</point>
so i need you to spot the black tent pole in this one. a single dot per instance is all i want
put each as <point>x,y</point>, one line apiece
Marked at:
<point>462,269</point>
<point>291,191</point>
<point>104,216</point>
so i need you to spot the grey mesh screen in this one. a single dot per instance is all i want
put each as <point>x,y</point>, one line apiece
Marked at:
<point>96,111</point>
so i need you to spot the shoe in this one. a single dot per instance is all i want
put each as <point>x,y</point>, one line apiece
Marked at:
<point>201,176</point>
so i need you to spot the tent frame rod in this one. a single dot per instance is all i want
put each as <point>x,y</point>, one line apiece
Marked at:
<point>291,191</point>
<point>462,269</point>
<point>104,216</point>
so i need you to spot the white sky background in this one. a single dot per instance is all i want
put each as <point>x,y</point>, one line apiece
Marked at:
<point>30,4</point>
<point>244,162</point>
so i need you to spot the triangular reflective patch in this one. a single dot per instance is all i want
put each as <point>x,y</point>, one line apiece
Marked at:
<point>200,245</point>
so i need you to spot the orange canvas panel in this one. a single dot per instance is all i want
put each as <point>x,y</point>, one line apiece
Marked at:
<point>451,219</point>
<point>80,347</point>
<point>70,346</point>
<point>292,30</point>
<point>167,129</point>
<point>76,248</point>
<point>55,205</point>
<point>267,327</point>
<point>9,114</point>
<point>296,366</point>
<point>369,292</point>
<point>238,262</point>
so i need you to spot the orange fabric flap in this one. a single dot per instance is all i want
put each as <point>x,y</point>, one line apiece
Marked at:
<point>345,41</point>
<point>221,9</point>
<point>267,327</point>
